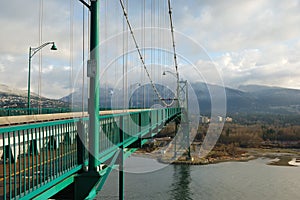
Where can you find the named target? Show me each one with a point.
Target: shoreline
(281, 157)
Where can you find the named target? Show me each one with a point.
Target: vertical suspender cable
(142, 58)
(126, 53)
(41, 16)
(144, 45)
(159, 53)
(152, 11)
(71, 47)
(88, 46)
(164, 38)
(125, 48)
(154, 45)
(116, 45)
(123, 62)
(106, 93)
(83, 45)
(125, 59)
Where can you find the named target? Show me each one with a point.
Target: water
(231, 180)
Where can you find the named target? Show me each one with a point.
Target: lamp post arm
(28, 82)
(172, 73)
(33, 51)
(86, 4)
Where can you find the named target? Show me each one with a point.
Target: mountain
(274, 99)
(15, 98)
(273, 96)
(246, 99)
(236, 100)
(138, 97)
(6, 90)
(252, 99)
(76, 98)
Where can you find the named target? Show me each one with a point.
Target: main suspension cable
(173, 42)
(142, 58)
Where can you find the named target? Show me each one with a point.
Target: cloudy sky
(247, 42)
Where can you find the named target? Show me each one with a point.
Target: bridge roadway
(26, 119)
(42, 154)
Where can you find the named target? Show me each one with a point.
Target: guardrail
(34, 157)
(36, 111)
(33, 111)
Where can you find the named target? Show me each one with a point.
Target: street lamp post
(32, 52)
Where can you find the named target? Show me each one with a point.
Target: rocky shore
(280, 157)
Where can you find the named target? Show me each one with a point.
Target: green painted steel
(93, 74)
(98, 186)
(35, 111)
(56, 188)
(36, 157)
(59, 183)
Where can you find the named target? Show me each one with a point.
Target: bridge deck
(38, 154)
(25, 119)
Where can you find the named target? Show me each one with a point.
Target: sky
(247, 42)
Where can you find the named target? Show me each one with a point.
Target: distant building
(204, 120)
(220, 119)
(228, 119)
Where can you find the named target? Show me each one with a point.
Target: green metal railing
(134, 125)
(35, 157)
(34, 111)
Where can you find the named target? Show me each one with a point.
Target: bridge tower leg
(93, 74)
(185, 115)
(177, 122)
(86, 181)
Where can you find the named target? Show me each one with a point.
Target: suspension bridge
(70, 155)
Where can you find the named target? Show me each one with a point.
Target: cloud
(248, 41)
(236, 25)
(1, 67)
(269, 67)
(20, 20)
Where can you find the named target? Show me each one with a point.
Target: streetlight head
(164, 73)
(53, 47)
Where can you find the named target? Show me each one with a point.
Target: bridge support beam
(84, 184)
(81, 142)
(136, 144)
(93, 101)
(177, 122)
